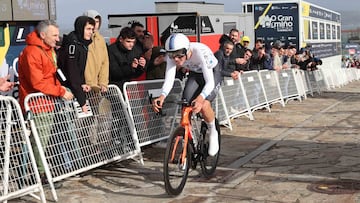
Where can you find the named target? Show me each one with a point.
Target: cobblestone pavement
(307, 151)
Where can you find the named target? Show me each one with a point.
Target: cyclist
(200, 86)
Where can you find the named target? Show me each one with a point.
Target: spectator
(237, 55)
(223, 57)
(37, 73)
(292, 53)
(288, 55)
(235, 38)
(260, 59)
(157, 64)
(73, 57)
(247, 58)
(97, 64)
(139, 30)
(245, 41)
(125, 62)
(275, 49)
(144, 44)
(5, 85)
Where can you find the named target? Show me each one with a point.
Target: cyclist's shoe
(213, 142)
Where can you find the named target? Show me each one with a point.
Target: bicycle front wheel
(176, 169)
(208, 163)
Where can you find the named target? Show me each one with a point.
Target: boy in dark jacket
(125, 62)
(73, 55)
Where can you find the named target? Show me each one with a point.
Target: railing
(70, 142)
(19, 175)
(67, 141)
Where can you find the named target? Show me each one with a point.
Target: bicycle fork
(185, 122)
(184, 151)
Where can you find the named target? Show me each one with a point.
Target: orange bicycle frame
(186, 123)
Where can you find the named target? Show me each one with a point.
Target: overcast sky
(67, 11)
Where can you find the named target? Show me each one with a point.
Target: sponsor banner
(323, 14)
(323, 50)
(182, 24)
(277, 21)
(206, 26)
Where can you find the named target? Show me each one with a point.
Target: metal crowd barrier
(254, 90)
(300, 83)
(151, 127)
(314, 81)
(70, 141)
(288, 87)
(19, 174)
(271, 87)
(357, 72)
(235, 98)
(221, 112)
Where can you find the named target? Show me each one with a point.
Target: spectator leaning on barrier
(247, 57)
(237, 55)
(37, 73)
(275, 49)
(125, 62)
(223, 57)
(73, 56)
(259, 57)
(97, 64)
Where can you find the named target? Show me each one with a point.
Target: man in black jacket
(125, 62)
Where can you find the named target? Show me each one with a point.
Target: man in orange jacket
(37, 73)
(37, 64)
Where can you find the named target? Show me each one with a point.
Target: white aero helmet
(176, 42)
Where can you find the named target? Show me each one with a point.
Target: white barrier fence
(69, 142)
(19, 176)
(150, 126)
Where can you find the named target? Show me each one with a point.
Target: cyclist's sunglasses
(176, 54)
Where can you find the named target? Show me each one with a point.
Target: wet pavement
(307, 151)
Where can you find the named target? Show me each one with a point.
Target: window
(322, 30)
(227, 26)
(333, 32)
(315, 30)
(249, 8)
(328, 31)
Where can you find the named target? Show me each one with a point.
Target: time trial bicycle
(188, 145)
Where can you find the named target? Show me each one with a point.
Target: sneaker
(213, 142)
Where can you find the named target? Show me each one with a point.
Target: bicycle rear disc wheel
(175, 169)
(208, 163)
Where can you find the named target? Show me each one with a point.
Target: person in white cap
(97, 65)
